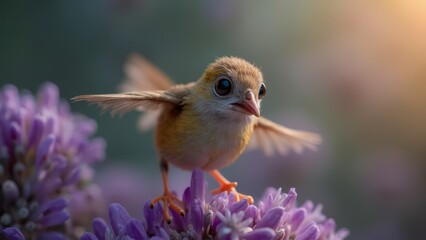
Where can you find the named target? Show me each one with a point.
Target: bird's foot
(169, 200)
(231, 187)
(225, 187)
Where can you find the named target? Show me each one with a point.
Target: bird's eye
(223, 86)
(262, 90)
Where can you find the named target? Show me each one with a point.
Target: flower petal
(49, 95)
(290, 200)
(15, 132)
(311, 232)
(160, 232)
(271, 219)
(179, 223)
(73, 176)
(239, 206)
(36, 132)
(13, 233)
(10, 95)
(54, 219)
(44, 149)
(198, 185)
(149, 217)
(136, 230)
(251, 212)
(99, 227)
(297, 218)
(56, 204)
(327, 227)
(88, 236)
(119, 217)
(197, 216)
(261, 233)
(186, 197)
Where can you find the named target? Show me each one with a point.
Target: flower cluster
(45, 152)
(276, 216)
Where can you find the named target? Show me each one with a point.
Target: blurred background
(354, 71)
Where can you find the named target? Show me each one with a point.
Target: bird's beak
(248, 106)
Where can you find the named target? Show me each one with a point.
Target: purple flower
(276, 216)
(44, 149)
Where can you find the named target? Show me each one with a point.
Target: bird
(204, 124)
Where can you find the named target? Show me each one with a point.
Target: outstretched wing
(271, 137)
(125, 102)
(142, 75)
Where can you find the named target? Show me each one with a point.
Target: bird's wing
(271, 137)
(125, 102)
(142, 75)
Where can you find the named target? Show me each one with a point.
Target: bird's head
(231, 87)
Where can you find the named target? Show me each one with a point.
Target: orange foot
(169, 200)
(225, 185)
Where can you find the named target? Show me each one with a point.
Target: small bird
(205, 124)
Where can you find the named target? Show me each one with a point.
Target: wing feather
(273, 138)
(124, 102)
(142, 75)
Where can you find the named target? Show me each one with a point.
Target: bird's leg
(225, 185)
(168, 199)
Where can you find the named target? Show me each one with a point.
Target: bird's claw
(226, 187)
(231, 187)
(239, 196)
(169, 200)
